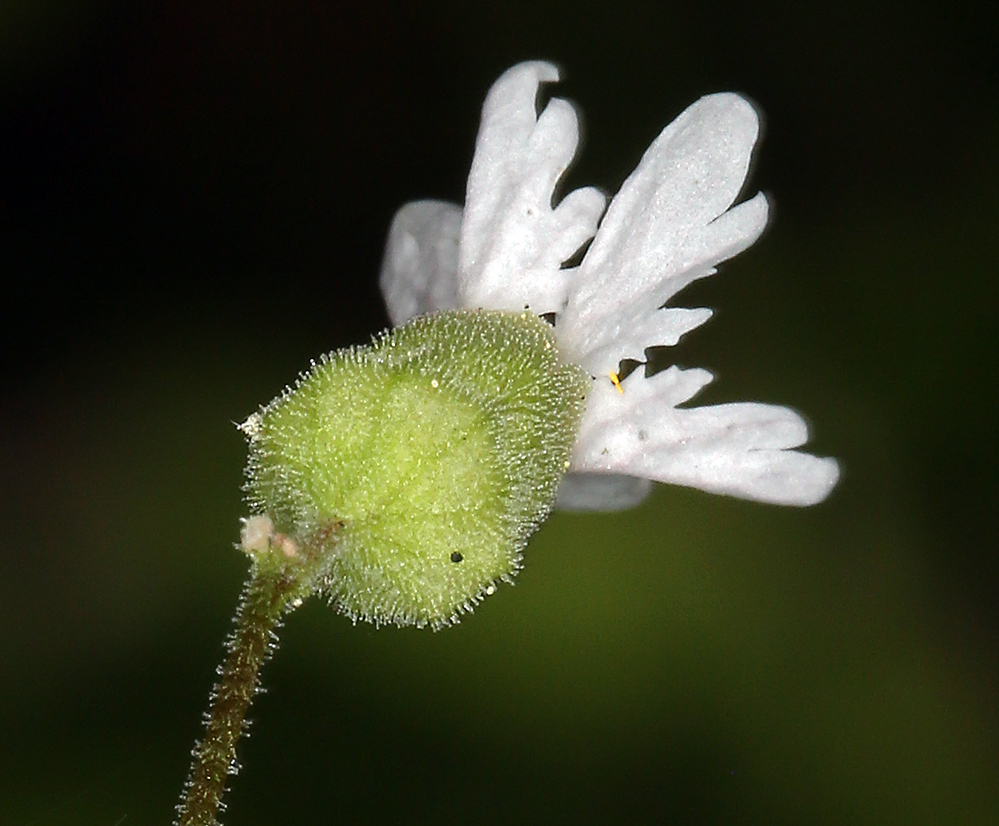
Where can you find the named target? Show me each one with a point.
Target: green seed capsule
(408, 476)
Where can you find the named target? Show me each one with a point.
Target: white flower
(671, 223)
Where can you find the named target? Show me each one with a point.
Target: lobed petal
(513, 242)
(743, 450)
(419, 270)
(670, 224)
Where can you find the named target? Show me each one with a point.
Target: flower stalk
(267, 595)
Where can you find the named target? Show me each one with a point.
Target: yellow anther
(616, 382)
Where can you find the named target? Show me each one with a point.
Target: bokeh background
(194, 197)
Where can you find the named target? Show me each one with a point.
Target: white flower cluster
(672, 222)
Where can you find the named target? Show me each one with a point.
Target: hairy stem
(265, 598)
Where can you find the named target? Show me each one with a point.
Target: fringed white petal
(672, 223)
(669, 225)
(743, 450)
(421, 260)
(513, 242)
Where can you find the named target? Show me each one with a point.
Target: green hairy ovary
(414, 470)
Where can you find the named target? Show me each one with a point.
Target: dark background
(194, 198)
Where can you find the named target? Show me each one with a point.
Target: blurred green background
(194, 198)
